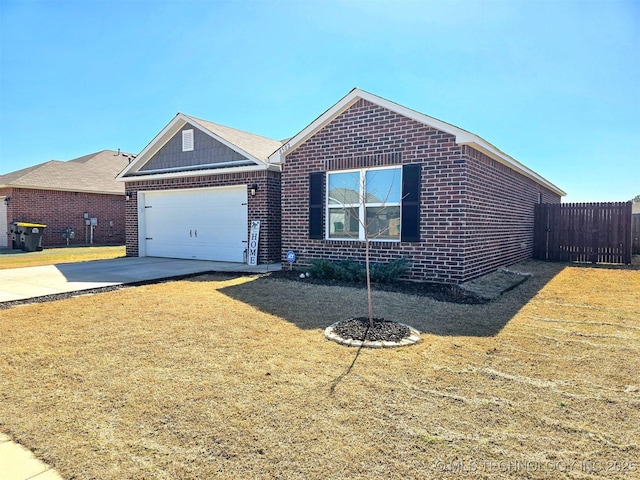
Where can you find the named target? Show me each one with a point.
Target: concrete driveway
(31, 282)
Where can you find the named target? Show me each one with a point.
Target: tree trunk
(366, 262)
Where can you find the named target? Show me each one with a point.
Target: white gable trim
(166, 134)
(463, 137)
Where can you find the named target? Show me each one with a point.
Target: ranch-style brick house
(60, 193)
(449, 201)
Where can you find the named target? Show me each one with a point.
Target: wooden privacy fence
(635, 233)
(583, 232)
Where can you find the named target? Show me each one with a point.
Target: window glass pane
(383, 186)
(344, 188)
(383, 223)
(343, 223)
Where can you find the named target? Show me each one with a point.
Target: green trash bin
(31, 236)
(15, 236)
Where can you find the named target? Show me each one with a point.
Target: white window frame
(361, 206)
(187, 140)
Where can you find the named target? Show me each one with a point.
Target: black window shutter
(410, 223)
(316, 205)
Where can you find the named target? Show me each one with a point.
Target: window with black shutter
(411, 203)
(316, 205)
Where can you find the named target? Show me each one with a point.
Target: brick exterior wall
(499, 214)
(59, 210)
(465, 197)
(264, 206)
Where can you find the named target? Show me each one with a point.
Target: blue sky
(555, 84)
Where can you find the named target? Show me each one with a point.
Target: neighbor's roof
(254, 147)
(463, 137)
(94, 173)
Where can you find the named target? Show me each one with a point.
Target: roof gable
(217, 147)
(462, 137)
(207, 152)
(94, 173)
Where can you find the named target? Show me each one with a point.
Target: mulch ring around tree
(357, 332)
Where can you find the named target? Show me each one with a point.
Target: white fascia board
(279, 155)
(485, 147)
(199, 173)
(463, 137)
(166, 134)
(156, 144)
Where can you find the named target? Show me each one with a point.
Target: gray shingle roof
(94, 173)
(255, 145)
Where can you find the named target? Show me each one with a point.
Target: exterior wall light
(6, 200)
(253, 189)
(128, 195)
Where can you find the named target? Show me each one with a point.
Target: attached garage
(196, 189)
(202, 224)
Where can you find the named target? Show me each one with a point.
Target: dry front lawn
(10, 258)
(230, 377)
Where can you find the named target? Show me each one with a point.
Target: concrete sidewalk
(31, 282)
(18, 463)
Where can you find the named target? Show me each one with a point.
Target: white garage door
(203, 224)
(4, 230)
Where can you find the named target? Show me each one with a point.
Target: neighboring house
(449, 201)
(61, 194)
(195, 189)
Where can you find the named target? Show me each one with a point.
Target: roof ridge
(94, 173)
(91, 156)
(197, 119)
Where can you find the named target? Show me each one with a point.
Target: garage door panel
(206, 224)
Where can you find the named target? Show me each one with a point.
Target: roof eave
(316, 125)
(167, 133)
(479, 144)
(62, 189)
(463, 137)
(198, 173)
(153, 146)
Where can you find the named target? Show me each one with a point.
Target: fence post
(628, 223)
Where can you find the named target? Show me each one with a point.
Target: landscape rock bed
(357, 332)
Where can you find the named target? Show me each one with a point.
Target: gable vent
(187, 140)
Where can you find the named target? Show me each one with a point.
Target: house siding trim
(173, 128)
(205, 150)
(195, 172)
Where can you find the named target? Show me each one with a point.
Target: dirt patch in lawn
(480, 290)
(491, 286)
(231, 377)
